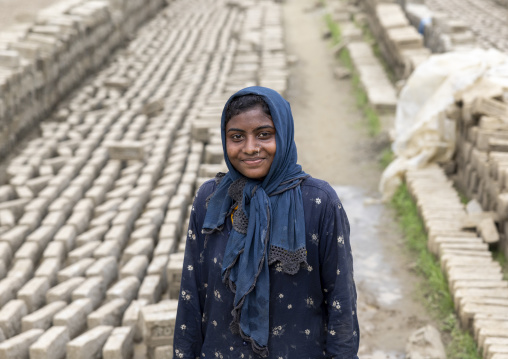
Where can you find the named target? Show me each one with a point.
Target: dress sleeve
(188, 337)
(338, 285)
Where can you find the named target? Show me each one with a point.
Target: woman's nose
(251, 145)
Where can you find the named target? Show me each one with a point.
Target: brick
(48, 269)
(74, 316)
(10, 317)
(136, 267)
(85, 251)
(51, 344)
(119, 344)
(77, 269)
(151, 288)
(55, 250)
(131, 318)
(126, 150)
(92, 288)
(15, 236)
(42, 318)
(158, 323)
(67, 235)
(139, 247)
(63, 291)
(18, 346)
(89, 344)
(105, 267)
(93, 234)
(126, 288)
(109, 314)
(33, 293)
(108, 249)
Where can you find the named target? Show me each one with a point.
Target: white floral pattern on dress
(336, 304)
(340, 240)
(318, 200)
(310, 302)
(314, 238)
(278, 331)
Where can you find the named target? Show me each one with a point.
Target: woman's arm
(188, 337)
(338, 284)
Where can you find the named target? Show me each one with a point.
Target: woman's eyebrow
(235, 130)
(263, 127)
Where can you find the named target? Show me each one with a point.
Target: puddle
(372, 271)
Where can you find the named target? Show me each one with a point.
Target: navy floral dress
(312, 313)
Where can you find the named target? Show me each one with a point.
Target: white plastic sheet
(420, 136)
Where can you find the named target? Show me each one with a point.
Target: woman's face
(250, 143)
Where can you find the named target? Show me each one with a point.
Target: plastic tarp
(421, 134)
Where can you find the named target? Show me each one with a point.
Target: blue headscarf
(276, 226)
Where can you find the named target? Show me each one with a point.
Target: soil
(333, 144)
(20, 11)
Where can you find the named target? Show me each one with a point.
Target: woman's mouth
(253, 161)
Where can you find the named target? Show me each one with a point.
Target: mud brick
(126, 150)
(63, 291)
(175, 265)
(107, 249)
(10, 317)
(7, 218)
(15, 236)
(74, 316)
(142, 247)
(158, 202)
(31, 219)
(93, 234)
(22, 269)
(55, 250)
(131, 317)
(30, 251)
(55, 219)
(119, 344)
(151, 217)
(51, 344)
(18, 346)
(488, 231)
(144, 232)
(42, 235)
(174, 217)
(166, 245)
(33, 293)
(126, 288)
(85, 251)
(89, 344)
(16, 206)
(37, 184)
(125, 218)
(158, 323)
(109, 314)
(490, 107)
(67, 235)
(92, 288)
(97, 193)
(61, 204)
(80, 220)
(76, 269)
(50, 192)
(42, 318)
(38, 204)
(158, 267)
(48, 269)
(104, 219)
(128, 180)
(151, 288)
(136, 267)
(470, 309)
(110, 205)
(5, 253)
(6, 193)
(118, 234)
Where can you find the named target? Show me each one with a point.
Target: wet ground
(333, 144)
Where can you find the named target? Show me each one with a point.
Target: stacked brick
(481, 117)
(485, 19)
(441, 31)
(41, 63)
(400, 43)
(475, 280)
(93, 215)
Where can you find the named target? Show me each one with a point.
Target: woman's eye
(264, 134)
(236, 137)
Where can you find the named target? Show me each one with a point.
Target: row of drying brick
(91, 289)
(40, 63)
(475, 280)
(132, 184)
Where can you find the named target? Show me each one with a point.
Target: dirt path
(333, 145)
(20, 11)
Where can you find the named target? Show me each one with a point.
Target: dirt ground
(20, 11)
(333, 145)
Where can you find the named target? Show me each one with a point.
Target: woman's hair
(245, 103)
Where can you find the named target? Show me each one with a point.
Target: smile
(253, 161)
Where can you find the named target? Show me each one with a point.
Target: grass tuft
(435, 293)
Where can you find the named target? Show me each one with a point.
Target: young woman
(268, 269)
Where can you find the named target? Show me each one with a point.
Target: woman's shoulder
(315, 188)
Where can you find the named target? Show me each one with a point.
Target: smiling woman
(250, 141)
(268, 270)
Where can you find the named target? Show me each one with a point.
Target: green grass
(434, 289)
(501, 259)
(387, 156)
(371, 117)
